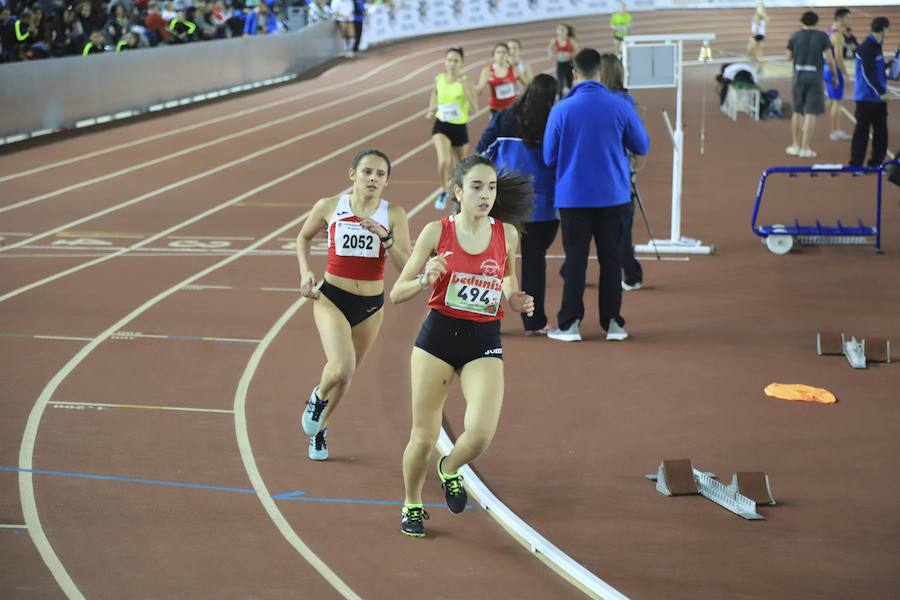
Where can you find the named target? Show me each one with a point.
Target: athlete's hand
(308, 286)
(374, 226)
(522, 302)
(434, 268)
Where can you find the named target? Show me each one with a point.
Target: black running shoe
(411, 521)
(454, 492)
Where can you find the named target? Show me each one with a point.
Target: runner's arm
(409, 283)
(398, 247)
(519, 300)
(315, 223)
(471, 94)
(432, 104)
(482, 81)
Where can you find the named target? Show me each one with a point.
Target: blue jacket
(250, 25)
(586, 140)
(871, 78)
(502, 143)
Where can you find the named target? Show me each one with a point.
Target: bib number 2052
(352, 239)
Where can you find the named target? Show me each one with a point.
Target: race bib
(352, 239)
(505, 91)
(477, 294)
(449, 112)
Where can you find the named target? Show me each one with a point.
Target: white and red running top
(354, 251)
(472, 287)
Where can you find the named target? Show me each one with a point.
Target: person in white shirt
(342, 10)
(757, 33)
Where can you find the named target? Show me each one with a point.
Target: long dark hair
(514, 190)
(612, 73)
(532, 108)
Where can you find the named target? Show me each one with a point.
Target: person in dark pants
(513, 141)
(359, 18)
(587, 137)
(870, 92)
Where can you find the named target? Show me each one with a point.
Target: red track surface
(582, 422)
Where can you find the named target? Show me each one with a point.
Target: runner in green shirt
(620, 23)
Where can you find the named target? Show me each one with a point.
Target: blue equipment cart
(781, 238)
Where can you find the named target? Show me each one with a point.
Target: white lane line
(12, 526)
(63, 404)
(240, 133)
(203, 215)
(64, 251)
(852, 118)
(130, 335)
(241, 113)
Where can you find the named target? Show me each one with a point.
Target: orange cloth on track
(798, 391)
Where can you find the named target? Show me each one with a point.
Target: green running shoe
(411, 520)
(454, 492)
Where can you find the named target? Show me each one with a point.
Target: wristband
(389, 236)
(421, 278)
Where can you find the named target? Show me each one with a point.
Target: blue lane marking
(291, 496)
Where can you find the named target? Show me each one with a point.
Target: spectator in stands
(118, 23)
(203, 17)
(235, 23)
(871, 92)
(66, 34)
(219, 18)
(168, 11)
(7, 34)
(181, 30)
(318, 11)
(95, 44)
(156, 26)
(130, 41)
(592, 127)
(808, 48)
(359, 18)
(260, 20)
(90, 19)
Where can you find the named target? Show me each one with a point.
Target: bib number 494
(473, 294)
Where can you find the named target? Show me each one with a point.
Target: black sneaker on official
(454, 492)
(412, 521)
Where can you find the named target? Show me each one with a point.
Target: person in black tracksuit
(513, 141)
(359, 18)
(871, 92)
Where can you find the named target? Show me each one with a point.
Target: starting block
(679, 477)
(857, 352)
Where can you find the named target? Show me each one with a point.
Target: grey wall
(58, 92)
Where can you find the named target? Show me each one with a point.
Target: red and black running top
(472, 287)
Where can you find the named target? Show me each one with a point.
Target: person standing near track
(512, 141)
(871, 92)
(562, 49)
(452, 100)
(835, 89)
(472, 266)
(515, 57)
(758, 23)
(343, 16)
(620, 23)
(501, 78)
(359, 19)
(363, 230)
(586, 141)
(809, 48)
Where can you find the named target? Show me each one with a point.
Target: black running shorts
(355, 308)
(458, 342)
(457, 134)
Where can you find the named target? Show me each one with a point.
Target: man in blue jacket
(587, 137)
(870, 92)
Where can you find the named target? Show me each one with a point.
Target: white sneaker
(807, 153)
(636, 286)
(571, 334)
(839, 135)
(615, 332)
(792, 150)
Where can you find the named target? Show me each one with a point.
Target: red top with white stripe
(503, 89)
(471, 288)
(563, 52)
(353, 251)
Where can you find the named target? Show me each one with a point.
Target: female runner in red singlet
(473, 268)
(563, 49)
(501, 77)
(363, 230)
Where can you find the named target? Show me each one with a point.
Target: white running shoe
(440, 203)
(839, 135)
(635, 286)
(792, 150)
(807, 153)
(570, 334)
(615, 332)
